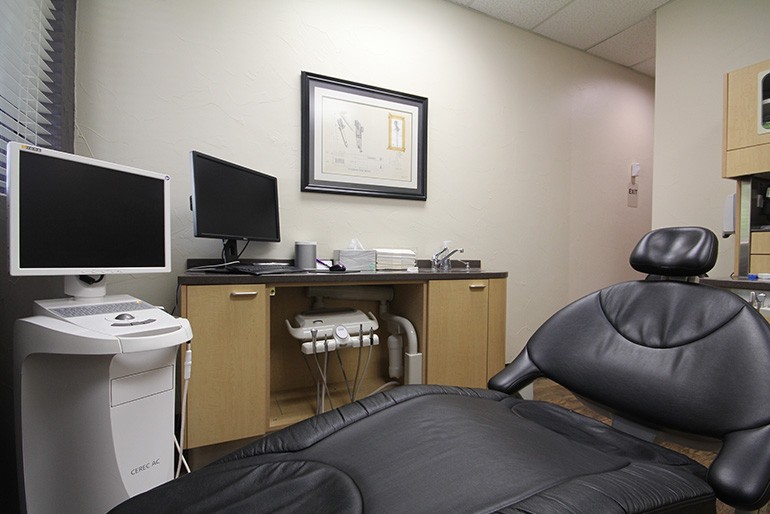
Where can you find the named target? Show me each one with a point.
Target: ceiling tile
(525, 14)
(630, 47)
(585, 23)
(621, 31)
(647, 67)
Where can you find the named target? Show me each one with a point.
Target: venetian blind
(36, 99)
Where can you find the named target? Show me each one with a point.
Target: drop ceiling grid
(632, 46)
(525, 14)
(621, 31)
(586, 23)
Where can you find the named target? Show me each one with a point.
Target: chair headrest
(676, 252)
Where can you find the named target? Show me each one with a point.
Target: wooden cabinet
(746, 136)
(249, 376)
(760, 252)
(465, 345)
(227, 397)
(746, 158)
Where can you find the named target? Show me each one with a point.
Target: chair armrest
(740, 474)
(518, 374)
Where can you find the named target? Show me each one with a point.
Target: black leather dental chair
(662, 353)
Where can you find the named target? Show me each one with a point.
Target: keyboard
(100, 308)
(264, 268)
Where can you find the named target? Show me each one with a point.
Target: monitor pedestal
(94, 402)
(229, 250)
(84, 286)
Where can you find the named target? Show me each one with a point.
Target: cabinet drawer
(760, 263)
(760, 242)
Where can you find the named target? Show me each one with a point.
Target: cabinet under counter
(249, 376)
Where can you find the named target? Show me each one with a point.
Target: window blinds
(35, 97)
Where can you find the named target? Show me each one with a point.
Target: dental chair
(661, 353)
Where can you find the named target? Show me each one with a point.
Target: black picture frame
(362, 140)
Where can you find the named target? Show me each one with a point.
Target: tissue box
(356, 260)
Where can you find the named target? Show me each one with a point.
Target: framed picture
(362, 140)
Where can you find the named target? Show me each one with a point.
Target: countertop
(737, 283)
(423, 273)
(327, 277)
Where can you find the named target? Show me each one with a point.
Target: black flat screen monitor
(232, 203)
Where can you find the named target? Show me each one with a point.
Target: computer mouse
(333, 267)
(124, 316)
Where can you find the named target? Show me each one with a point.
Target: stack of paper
(395, 259)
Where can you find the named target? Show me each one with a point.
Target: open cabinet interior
(296, 383)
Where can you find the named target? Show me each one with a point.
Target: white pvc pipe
(404, 327)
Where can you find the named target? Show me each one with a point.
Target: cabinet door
(744, 105)
(746, 135)
(760, 252)
(458, 312)
(227, 397)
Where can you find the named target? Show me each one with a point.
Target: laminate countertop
(737, 283)
(323, 277)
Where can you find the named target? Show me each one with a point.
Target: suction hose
(396, 363)
(399, 327)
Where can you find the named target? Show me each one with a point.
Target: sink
(458, 265)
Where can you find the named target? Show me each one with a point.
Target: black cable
(243, 249)
(89, 280)
(176, 299)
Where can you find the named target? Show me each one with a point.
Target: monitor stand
(230, 250)
(85, 286)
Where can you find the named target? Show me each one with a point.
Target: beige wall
(698, 42)
(610, 130)
(529, 143)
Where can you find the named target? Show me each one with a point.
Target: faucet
(442, 262)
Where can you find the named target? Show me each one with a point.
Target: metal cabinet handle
(477, 286)
(241, 294)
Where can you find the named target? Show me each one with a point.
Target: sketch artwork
(364, 139)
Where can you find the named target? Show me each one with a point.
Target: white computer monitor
(76, 216)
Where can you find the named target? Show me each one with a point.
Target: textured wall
(698, 42)
(529, 142)
(528, 148)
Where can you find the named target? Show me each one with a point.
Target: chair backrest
(668, 353)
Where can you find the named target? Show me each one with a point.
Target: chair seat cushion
(443, 449)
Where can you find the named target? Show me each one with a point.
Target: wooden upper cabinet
(747, 121)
